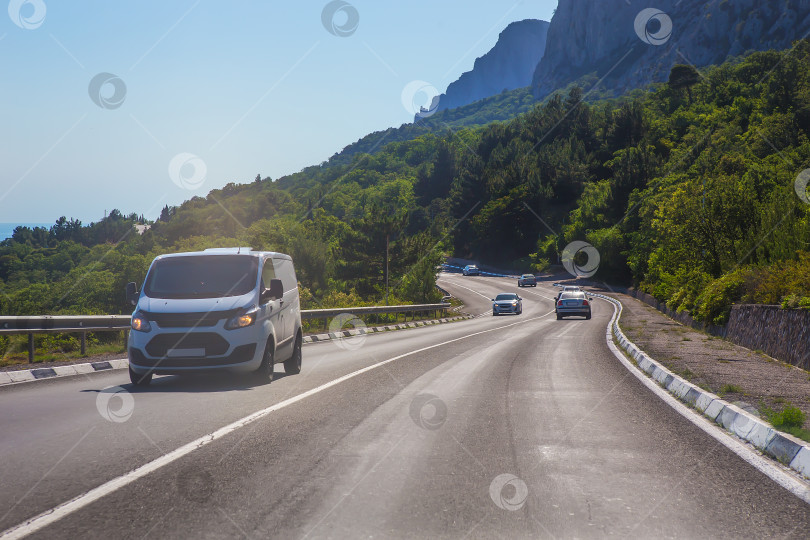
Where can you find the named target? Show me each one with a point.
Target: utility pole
(387, 236)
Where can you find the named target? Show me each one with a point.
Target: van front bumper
(243, 358)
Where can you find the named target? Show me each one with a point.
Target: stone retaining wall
(783, 334)
(780, 333)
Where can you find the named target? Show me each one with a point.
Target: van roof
(228, 251)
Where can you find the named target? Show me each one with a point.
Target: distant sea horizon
(7, 229)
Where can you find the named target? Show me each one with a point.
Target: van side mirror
(275, 291)
(132, 293)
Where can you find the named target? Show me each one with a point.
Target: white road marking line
(469, 289)
(564, 332)
(487, 297)
(540, 295)
(53, 515)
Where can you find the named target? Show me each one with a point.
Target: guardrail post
(30, 348)
(84, 343)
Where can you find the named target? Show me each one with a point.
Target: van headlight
(241, 321)
(140, 323)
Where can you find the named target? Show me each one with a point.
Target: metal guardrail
(370, 310)
(63, 323)
(42, 324)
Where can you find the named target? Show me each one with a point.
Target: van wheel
(140, 380)
(559, 317)
(265, 371)
(292, 366)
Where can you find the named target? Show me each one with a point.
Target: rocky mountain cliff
(510, 64)
(627, 44)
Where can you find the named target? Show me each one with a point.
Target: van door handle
(281, 302)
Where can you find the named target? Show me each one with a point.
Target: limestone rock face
(609, 38)
(510, 64)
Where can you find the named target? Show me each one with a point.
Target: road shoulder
(738, 419)
(732, 372)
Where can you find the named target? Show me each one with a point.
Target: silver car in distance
(573, 303)
(507, 303)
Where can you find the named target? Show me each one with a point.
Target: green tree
(684, 77)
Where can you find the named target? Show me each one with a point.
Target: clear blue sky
(248, 87)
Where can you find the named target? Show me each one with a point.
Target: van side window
(268, 273)
(286, 273)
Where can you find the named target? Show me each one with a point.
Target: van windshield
(207, 276)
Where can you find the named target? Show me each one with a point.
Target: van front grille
(213, 344)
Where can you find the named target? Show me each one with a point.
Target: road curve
(513, 427)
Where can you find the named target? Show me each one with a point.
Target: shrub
(789, 417)
(540, 265)
(790, 301)
(713, 305)
(731, 389)
(794, 301)
(57, 342)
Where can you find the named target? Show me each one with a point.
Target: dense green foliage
(686, 189)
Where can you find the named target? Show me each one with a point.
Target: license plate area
(185, 353)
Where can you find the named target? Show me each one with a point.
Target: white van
(220, 309)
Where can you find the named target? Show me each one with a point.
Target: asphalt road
(506, 427)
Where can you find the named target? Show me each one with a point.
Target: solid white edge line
(488, 298)
(760, 462)
(53, 515)
(476, 292)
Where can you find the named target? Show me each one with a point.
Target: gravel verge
(730, 371)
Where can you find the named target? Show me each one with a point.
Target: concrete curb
(783, 447)
(31, 375)
(318, 338)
